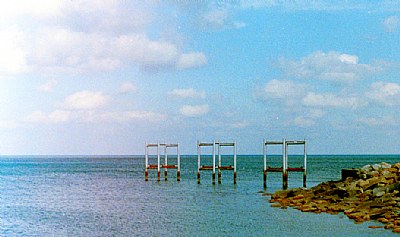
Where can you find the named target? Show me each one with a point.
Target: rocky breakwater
(372, 194)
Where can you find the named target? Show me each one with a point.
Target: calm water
(107, 196)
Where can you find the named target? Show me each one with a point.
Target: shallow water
(107, 196)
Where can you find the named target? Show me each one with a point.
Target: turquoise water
(107, 196)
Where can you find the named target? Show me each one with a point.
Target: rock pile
(374, 194)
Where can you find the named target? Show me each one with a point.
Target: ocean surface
(107, 196)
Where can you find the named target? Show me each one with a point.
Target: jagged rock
(396, 166)
(389, 226)
(376, 167)
(385, 165)
(366, 168)
(379, 191)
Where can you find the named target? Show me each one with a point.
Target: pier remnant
(204, 167)
(285, 169)
(165, 166)
(229, 167)
(152, 166)
(214, 165)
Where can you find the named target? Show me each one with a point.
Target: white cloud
(70, 51)
(216, 18)
(239, 125)
(303, 121)
(187, 93)
(349, 59)
(8, 124)
(39, 8)
(374, 121)
(76, 37)
(385, 93)
(279, 89)
(61, 48)
(109, 16)
(191, 60)
(391, 23)
(220, 16)
(316, 113)
(12, 55)
(331, 100)
(194, 111)
(309, 118)
(127, 87)
(48, 86)
(131, 116)
(287, 91)
(86, 100)
(37, 117)
(64, 116)
(145, 116)
(331, 66)
(57, 116)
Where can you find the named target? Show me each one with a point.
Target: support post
(165, 163)
(219, 164)
(284, 166)
(234, 163)
(265, 164)
(198, 162)
(214, 165)
(158, 163)
(178, 172)
(146, 171)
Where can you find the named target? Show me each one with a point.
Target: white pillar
(146, 156)
(198, 156)
(265, 154)
(179, 158)
(234, 156)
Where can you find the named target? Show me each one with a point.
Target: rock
(366, 168)
(389, 226)
(379, 192)
(374, 173)
(396, 166)
(376, 167)
(377, 212)
(352, 173)
(393, 187)
(385, 165)
(372, 192)
(383, 220)
(299, 196)
(375, 226)
(275, 205)
(362, 183)
(396, 230)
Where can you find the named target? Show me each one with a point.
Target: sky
(105, 77)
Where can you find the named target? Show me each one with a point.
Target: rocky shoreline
(372, 193)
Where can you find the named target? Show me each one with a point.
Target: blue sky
(104, 77)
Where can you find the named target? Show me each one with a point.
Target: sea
(108, 196)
